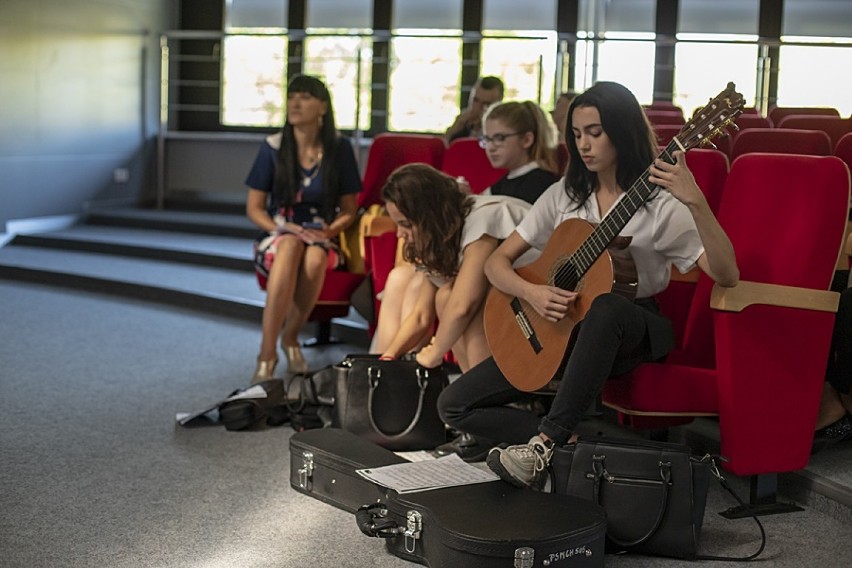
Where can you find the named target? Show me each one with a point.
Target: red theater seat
(389, 151)
(464, 158)
(781, 141)
(755, 355)
(834, 126)
(776, 113)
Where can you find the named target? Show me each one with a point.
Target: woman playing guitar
(611, 145)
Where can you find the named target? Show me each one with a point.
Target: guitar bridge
(525, 325)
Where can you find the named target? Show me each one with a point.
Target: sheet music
(255, 391)
(447, 471)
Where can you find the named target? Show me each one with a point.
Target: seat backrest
(464, 158)
(776, 113)
(744, 121)
(665, 117)
(665, 132)
(778, 210)
(563, 156)
(843, 149)
(389, 151)
(710, 169)
(777, 231)
(834, 126)
(784, 141)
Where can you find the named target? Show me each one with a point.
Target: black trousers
(613, 338)
(839, 371)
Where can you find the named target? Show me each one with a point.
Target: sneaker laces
(541, 453)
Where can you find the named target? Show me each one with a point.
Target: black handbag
(654, 493)
(255, 412)
(391, 403)
(309, 398)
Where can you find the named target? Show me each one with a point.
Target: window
(425, 64)
(616, 43)
(253, 75)
(254, 65)
(424, 81)
(337, 61)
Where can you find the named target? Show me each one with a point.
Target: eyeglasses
(498, 139)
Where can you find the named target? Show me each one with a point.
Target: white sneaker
(521, 465)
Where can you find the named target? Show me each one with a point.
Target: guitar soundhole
(564, 274)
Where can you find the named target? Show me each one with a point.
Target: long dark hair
(437, 207)
(287, 176)
(626, 125)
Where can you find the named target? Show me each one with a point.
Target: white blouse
(663, 233)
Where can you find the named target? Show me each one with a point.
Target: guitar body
(530, 352)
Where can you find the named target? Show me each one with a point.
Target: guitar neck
(619, 216)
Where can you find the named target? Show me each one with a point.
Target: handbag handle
(373, 375)
(599, 472)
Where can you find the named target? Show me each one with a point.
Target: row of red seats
(462, 158)
(824, 125)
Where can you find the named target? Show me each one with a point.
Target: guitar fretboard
(569, 274)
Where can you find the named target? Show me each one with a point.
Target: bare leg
(831, 408)
(308, 286)
(398, 300)
(280, 288)
(471, 348)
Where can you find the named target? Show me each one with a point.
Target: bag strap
(600, 472)
(714, 469)
(373, 375)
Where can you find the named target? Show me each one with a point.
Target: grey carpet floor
(94, 471)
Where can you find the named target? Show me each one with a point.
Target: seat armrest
(744, 294)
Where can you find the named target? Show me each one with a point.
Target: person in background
(560, 113)
(519, 137)
(485, 92)
(611, 145)
(834, 423)
(302, 194)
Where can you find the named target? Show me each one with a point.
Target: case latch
(524, 557)
(413, 526)
(307, 469)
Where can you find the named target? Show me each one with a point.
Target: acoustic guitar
(586, 259)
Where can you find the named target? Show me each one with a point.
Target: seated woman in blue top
(302, 194)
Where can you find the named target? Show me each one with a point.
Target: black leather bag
(654, 493)
(255, 412)
(310, 399)
(391, 403)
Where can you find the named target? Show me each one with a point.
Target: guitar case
(323, 464)
(488, 525)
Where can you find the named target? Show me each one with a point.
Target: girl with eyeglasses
(520, 137)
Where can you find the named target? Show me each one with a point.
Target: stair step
(198, 222)
(227, 292)
(203, 250)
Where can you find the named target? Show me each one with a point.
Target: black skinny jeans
(612, 340)
(839, 372)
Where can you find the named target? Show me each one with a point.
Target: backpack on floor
(247, 409)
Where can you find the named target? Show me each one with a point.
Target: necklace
(315, 164)
(307, 179)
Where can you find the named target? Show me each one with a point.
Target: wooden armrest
(745, 294)
(379, 225)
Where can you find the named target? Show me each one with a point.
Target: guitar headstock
(709, 121)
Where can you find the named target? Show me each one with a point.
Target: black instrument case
(489, 525)
(323, 464)
(483, 525)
